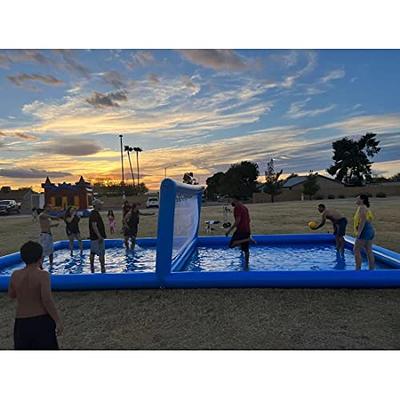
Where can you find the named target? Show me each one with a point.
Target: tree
(214, 186)
(395, 178)
(310, 186)
(292, 175)
(378, 179)
(352, 164)
(117, 189)
(272, 186)
(240, 180)
(137, 150)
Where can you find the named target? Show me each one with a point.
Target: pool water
(293, 257)
(275, 258)
(118, 260)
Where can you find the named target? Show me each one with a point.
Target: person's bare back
(27, 284)
(44, 221)
(37, 321)
(333, 215)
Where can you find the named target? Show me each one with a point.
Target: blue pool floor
(296, 257)
(275, 258)
(118, 260)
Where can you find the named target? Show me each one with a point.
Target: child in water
(112, 223)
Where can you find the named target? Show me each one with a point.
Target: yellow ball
(312, 224)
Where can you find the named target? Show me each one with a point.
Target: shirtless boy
(46, 238)
(339, 223)
(37, 321)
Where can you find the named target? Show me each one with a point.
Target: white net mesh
(186, 221)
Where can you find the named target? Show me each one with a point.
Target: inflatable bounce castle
(79, 195)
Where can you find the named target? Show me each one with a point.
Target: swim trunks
(237, 235)
(35, 333)
(340, 227)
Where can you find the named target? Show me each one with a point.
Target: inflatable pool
(178, 258)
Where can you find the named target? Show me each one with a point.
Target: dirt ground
(226, 318)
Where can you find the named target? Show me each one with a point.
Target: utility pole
(122, 167)
(122, 161)
(165, 169)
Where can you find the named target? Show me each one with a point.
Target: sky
(62, 111)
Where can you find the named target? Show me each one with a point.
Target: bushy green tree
(310, 186)
(273, 185)
(352, 164)
(395, 178)
(240, 180)
(214, 186)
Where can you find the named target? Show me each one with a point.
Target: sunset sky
(190, 110)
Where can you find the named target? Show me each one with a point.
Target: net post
(165, 228)
(199, 203)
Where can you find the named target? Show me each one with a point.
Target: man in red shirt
(242, 224)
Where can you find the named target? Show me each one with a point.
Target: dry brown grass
(226, 318)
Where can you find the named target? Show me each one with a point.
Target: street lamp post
(122, 167)
(165, 169)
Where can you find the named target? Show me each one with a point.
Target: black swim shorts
(240, 236)
(35, 333)
(340, 227)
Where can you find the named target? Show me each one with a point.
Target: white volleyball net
(186, 221)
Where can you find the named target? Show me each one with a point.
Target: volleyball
(312, 224)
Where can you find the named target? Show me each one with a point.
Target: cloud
(216, 59)
(190, 84)
(287, 59)
(365, 123)
(163, 109)
(140, 58)
(61, 59)
(70, 146)
(4, 60)
(309, 62)
(30, 56)
(20, 79)
(107, 100)
(322, 84)
(26, 136)
(21, 135)
(297, 110)
(386, 168)
(113, 78)
(333, 75)
(8, 57)
(29, 173)
(70, 63)
(153, 78)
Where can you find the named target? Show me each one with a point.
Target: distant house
(27, 197)
(296, 183)
(292, 189)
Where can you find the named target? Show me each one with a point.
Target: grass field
(226, 318)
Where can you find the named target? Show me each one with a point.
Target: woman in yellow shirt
(364, 232)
